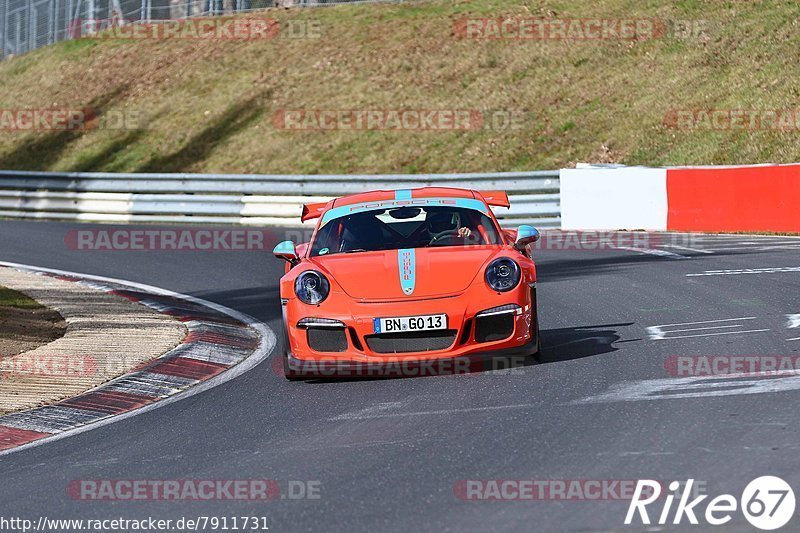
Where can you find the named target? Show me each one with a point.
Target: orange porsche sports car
(407, 276)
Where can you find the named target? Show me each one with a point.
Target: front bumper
(494, 360)
(354, 347)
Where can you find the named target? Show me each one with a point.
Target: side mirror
(286, 251)
(526, 235)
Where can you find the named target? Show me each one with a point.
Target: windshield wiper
(355, 250)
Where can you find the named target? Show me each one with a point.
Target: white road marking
(771, 270)
(706, 321)
(371, 410)
(744, 238)
(367, 414)
(265, 347)
(658, 333)
(712, 334)
(703, 237)
(706, 328)
(780, 247)
(794, 321)
(651, 251)
(762, 243)
(760, 248)
(678, 246)
(697, 387)
(794, 339)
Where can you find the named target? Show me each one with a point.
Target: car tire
(536, 355)
(288, 373)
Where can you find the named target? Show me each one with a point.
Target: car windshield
(405, 227)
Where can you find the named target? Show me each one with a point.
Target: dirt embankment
(25, 324)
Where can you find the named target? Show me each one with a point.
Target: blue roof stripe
(380, 205)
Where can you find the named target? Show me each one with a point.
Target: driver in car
(444, 222)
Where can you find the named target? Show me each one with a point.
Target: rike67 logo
(767, 503)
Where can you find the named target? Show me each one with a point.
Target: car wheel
(288, 372)
(537, 354)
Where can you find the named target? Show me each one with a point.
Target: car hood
(407, 274)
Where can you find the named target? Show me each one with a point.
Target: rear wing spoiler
(312, 211)
(496, 198)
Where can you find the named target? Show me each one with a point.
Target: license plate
(410, 323)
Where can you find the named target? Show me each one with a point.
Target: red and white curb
(221, 344)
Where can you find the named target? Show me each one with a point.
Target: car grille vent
(409, 342)
(494, 327)
(327, 339)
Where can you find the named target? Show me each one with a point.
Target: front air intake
(411, 342)
(327, 339)
(494, 327)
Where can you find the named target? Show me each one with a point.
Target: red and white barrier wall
(713, 199)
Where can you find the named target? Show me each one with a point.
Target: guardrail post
(18, 36)
(91, 8)
(30, 41)
(51, 21)
(68, 20)
(3, 28)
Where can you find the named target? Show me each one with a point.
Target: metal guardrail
(245, 198)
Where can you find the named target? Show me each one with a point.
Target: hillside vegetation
(210, 106)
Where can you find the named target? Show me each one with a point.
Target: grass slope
(211, 104)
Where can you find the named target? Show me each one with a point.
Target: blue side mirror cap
(286, 250)
(526, 235)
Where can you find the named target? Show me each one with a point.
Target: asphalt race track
(390, 454)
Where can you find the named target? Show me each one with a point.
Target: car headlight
(503, 274)
(312, 287)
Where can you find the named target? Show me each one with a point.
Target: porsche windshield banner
(344, 210)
